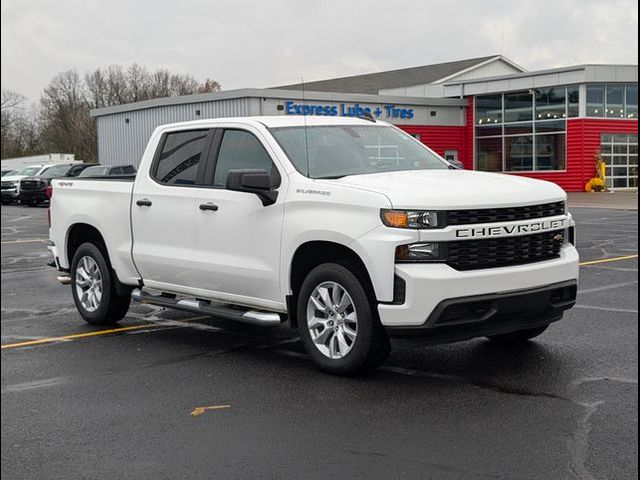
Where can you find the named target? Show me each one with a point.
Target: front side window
(181, 156)
(241, 150)
(340, 150)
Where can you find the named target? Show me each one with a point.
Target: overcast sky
(265, 43)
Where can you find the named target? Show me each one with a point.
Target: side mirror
(457, 164)
(253, 181)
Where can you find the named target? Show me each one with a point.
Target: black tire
(112, 307)
(371, 345)
(518, 337)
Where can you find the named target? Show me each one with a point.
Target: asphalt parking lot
(133, 403)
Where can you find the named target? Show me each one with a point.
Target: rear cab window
(180, 158)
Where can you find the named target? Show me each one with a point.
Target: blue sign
(348, 110)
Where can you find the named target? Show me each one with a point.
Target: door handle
(144, 202)
(208, 206)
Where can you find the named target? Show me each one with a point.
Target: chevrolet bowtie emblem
(558, 237)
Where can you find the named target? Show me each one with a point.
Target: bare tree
(67, 125)
(208, 86)
(63, 122)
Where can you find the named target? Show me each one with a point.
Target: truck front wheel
(93, 288)
(338, 322)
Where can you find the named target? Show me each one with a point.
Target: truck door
(164, 211)
(238, 237)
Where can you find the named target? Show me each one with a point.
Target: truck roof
(276, 121)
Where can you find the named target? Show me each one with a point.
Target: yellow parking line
(32, 240)
(74, 336)
(607, 260)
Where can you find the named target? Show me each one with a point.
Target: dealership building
(489, 113)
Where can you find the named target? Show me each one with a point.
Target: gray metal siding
(121, 143)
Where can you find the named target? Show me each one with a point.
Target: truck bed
(103, 203)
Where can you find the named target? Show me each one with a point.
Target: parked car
(108, 171)
(33, 190)
(306, 221)
(10, 184)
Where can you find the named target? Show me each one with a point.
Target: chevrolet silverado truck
(348, 229)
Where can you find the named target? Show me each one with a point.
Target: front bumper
(9, 194)
(27, 196)
(428, 285)
(485, 315)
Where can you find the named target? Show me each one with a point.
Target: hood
(12, 178)
(456, 189)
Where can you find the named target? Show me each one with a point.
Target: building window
(518, 107)
(518, 153)
(551, 103)
(595, 100)
(620, 153)
(631, 100)
(533, 135)
(615, 101)
(573, 99)
(488, 109)
(489, 154)
(551, 151)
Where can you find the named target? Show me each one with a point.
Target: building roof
(372, 83)
(276, 94)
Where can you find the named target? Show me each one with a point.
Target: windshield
(28, 172)
(57, 170)
(339, 150)
(94, 171)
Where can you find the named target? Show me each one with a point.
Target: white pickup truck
(348, 229)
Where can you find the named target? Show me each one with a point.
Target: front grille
(31, 185)
(493, 215)
(504, 252)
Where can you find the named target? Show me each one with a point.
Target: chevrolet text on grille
(503, 230)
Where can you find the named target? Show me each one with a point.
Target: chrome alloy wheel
(88, 284)
(332, 320)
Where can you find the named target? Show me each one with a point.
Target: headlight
(417, 219)
(421, 252)
(16, 183)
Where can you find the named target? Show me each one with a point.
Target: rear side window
(75, 171)
(241, 150)
(128, 170)
(181, 156)
(116, 171)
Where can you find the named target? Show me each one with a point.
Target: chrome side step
(255, 317)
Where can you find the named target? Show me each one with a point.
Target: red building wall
(583, 139)
(440, 138)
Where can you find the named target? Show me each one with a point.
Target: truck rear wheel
(519, 336)
(93, 287)
(338, 322)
